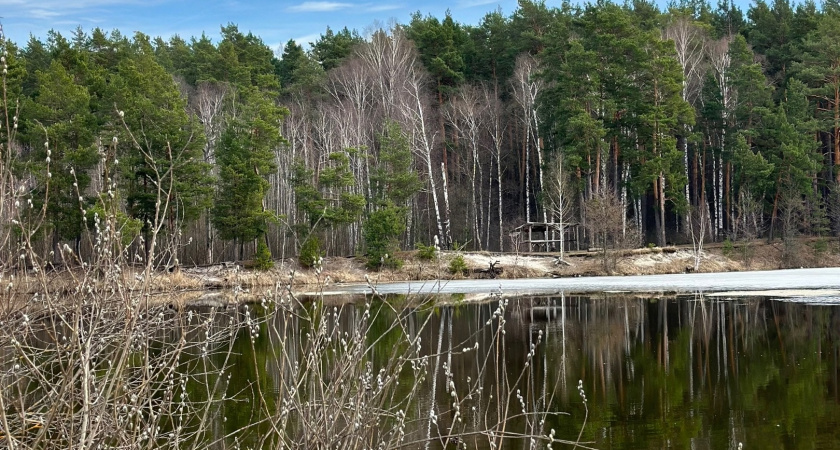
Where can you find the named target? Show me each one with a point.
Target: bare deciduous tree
(605, 224)
(690, 44)
(417, 116)
(497, 128)
(466, 113)
(351, 87)
(559, 196)
(747, 223)
(792, 214)
(526, 90)
(697, 218)
(720, 60)
(208, 102)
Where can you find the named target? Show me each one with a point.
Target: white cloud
(39, 13)
(385, 7)
(320, 6)
(474, 3)
(49, 9)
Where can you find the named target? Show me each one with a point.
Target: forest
(625, 119)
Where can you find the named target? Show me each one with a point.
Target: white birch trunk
(527, 164)
(447, 221)
(499, 191)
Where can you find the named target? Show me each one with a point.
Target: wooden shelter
(545, 236)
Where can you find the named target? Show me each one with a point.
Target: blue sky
(274, 21)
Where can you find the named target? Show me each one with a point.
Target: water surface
(683, 372)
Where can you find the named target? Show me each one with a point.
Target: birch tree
(526, 89)
(720, 60)
(208, 102)
(558, 198)
(350, 86)
(497, 126)
(690, 43)
(466, 113)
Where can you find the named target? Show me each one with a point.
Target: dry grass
(677, 262)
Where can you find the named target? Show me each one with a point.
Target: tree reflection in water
(684, 372)
(695, 372)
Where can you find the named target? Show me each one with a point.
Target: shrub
(820, 246)
(382, 231)
(310, 252)
(728, 248)
(262, 259)
(458, 265)
(426, 252)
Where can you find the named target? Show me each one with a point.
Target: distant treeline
(698, 116)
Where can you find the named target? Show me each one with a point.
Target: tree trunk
(775, 213)
(477, 204)
(662, 240)
(499, 179)
(598, 169)
(209, 243)
(527, 165)
(489, 202)
(727, 187)
(837, 134)
(540, 174)
(442, 130)
(448, 223)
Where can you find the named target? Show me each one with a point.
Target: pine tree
(202, 63)
(438, 43)
(245, 158)
(820, 68)
(795, 160)
(61, 131)
(327, 200)
(660, 164)
(332, 48)
(491, 54)
(394, 184)
(163, 175)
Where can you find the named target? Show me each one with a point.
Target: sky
(274, 21)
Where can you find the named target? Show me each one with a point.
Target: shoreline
(343, 276)
(815, 284)
(642, 261)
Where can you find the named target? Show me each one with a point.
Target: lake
(686, 371)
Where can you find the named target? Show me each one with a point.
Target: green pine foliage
(426, 252)
(245, 159)
(439, 44)
(394, 183)
(332, 48)
(238, 212)
(60, 130)
(329, 201)
(457, 266)
(160, 145)
(382, 230)
(393, 178)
